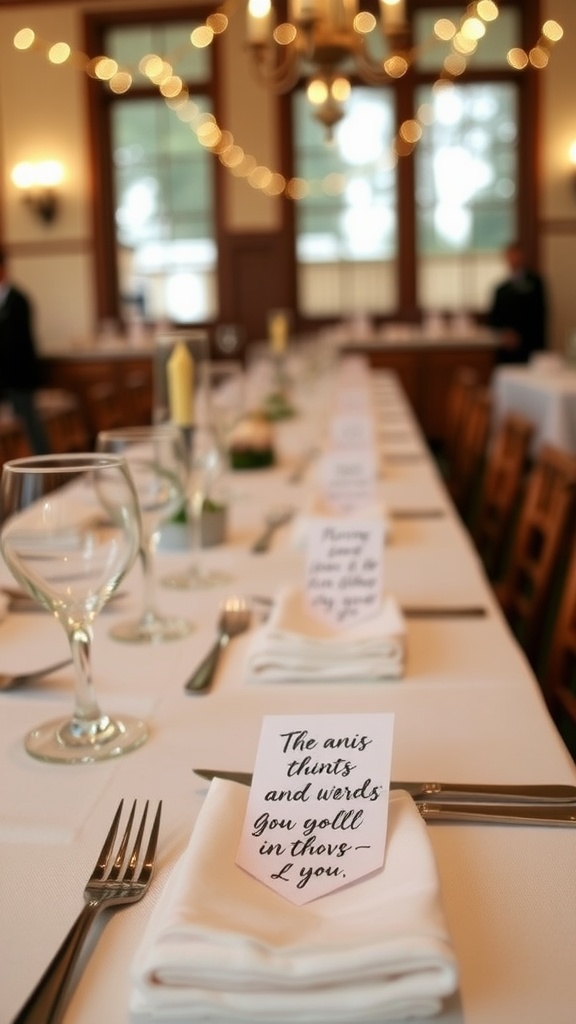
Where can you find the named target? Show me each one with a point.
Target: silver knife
(437, 793)
(501, 814)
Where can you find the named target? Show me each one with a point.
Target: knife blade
(501, 814)
(432, 792)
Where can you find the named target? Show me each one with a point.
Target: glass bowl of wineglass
(70, 533)
(156, 456)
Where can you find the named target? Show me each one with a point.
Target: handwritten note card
(344, 569)
(317, 813)
(352, 430)
(348, 479)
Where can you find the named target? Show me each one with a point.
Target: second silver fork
(115, 881)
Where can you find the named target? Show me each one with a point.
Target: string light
(462, 40)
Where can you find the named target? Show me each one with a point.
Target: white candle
(259, 21)
(180, 379)
(393, 14)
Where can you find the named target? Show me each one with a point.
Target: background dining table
(467, 709)
(545, 393)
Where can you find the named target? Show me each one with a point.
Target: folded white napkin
(220, 946)
(294, 646)
(320, 508)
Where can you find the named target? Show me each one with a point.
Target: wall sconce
(38, 185)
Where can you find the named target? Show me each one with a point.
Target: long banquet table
(468, 709)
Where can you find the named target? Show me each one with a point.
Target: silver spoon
(274, 519)
(9, 682)
(234, 618)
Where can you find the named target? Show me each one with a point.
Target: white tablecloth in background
(468, 709)
(546, 397)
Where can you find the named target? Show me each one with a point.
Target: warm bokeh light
(285, 33)
(202, 36)
(473, 28)
(171, 86)
(487, 10)
(572, 152)
(45, 174)
(396, 66)
(463, 44)
(297, 188)
(120, 82)
(218, 22)
(340, 89)
(317, 91)
(276, 185)
(59, 53)
(444, 29)
(455, 64)
(517, 58)
(150, 65)
(411, 131)
(364, 23)
(233, 156)
(105, 68)
(333, 184)
(552, 31)
(259, 177)
(24, 39)
(539, 57)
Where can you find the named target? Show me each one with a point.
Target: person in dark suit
(519, 310)
(20, 366)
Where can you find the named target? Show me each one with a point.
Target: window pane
(349, 217)
(466, 181)
(171, 41)
(501, 35)
(164, 212)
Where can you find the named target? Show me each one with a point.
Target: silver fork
(115, 881)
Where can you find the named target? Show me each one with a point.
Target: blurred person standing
(519, 310)
(20, 366)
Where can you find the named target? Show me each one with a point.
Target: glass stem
(86, 706)
(146, 554)
(196, 506)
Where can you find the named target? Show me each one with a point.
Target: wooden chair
(138, 394)
(463, 384)
(559, 676)
(469, 453)
(545, 523)
(501, 489)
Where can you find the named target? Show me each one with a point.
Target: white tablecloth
(547, 397)
(468, 709)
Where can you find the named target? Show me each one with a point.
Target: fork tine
(131, 866)
(150, 855)
(120, 856)
(104, 855)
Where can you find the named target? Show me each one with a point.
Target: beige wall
(42, 114)
(558, 188)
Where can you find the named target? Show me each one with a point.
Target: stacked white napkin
(223, 947)
(293, 646)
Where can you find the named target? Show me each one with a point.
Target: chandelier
(326, 41)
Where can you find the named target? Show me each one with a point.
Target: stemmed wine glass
(205, 469)
(70, 533)
(156, 457)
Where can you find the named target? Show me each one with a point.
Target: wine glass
(205, 473)
(156, 457)
(70, 533)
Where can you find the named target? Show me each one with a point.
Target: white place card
(317, 813)
(348, 479)
(344, 570)
(352, 430)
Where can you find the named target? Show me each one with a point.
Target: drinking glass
(205, 473)
(156, 457)
(70, 533)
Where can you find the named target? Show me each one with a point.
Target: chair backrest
(470, 450)
(560, 670)
(545, 525)
(504, 474)
(463, 384)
